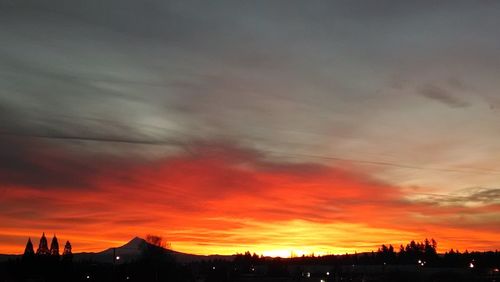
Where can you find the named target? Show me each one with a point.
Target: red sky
(221, 198)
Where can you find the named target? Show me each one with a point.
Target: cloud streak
(442, 95)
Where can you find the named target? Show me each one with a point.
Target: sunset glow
(222, 199)
(283, 131)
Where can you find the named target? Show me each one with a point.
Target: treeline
(413, 262)
(44, 264)
(421, 254)
(46, 254)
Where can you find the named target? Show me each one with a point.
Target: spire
(54, 247)
(43, 248)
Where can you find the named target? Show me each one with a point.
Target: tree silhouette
(29, 253)
(67, 254)
(43, 248)
(155, 260)
(387, 254)
(158, 241)
(54, 247)
(401, 250)
(430, 252)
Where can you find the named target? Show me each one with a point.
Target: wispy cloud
(442, 95)
(477, 197)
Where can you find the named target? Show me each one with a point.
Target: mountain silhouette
(136, 242)
(134, 250)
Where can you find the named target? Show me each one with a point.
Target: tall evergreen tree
(430, 248)
(67, 254)
(43, 248)
(29, 252)
(401, 250)
(54, 247)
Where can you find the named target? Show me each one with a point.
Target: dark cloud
(473, 197)
(28, 163)
(442, 95)
(457, 84)
(58, 153)
(39, 161)
(485, 195)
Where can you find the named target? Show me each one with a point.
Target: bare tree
(158, 241)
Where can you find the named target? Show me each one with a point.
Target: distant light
(127, 278)
(419, 261)
(117, 257)
(471, 265)
(213, 267)
(496, 270)
(422, 264)
(253, 269)
(327, 273)
(322, 280)
(308, 274)
(88, 276)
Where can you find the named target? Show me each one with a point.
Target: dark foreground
(225, 271)
(417, 262)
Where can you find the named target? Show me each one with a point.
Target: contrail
(96, 139)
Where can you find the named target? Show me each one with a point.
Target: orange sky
(220, 198)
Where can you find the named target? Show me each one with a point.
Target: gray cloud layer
(300, 78)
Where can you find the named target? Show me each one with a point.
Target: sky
(319, 127)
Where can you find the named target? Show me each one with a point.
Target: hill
(134, 250)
